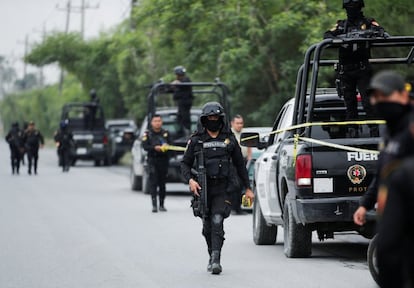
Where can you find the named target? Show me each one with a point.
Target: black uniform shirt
(399, 144)
(184, 93)
(33, 138)
(355, 53)
(15, 137)
(150, 139)
(232, 146)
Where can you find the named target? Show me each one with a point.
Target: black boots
(154, 205)
(209, 265)
(215, 262)
(162, 208)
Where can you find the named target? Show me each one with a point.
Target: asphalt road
(88, 229)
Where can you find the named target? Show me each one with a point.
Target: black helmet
(179, 70)
(92, 92)
(15, 124)
(211, 109)
(346, 2)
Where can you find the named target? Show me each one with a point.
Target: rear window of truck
(335, 112)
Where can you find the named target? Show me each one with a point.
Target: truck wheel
(136, 181)
(297, 237)
(107, 161)
(372, 259)
(262, 233)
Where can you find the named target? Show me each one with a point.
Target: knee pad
(217, 219)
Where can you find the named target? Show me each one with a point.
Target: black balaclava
(354, 12)
(212, 125)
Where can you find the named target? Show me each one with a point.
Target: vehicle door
(266, 166)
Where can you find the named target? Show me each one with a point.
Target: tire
(297, 237)
(136, 181)
(107, 161)
(372, 259)
(262, 233)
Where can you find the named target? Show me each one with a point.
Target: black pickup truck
(306, 180)
(87, 123)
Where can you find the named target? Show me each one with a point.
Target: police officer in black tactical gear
(353, 69)
(64, 142)
(183, 95)
(395, 250)
(390, 98)
(15, 139)
(33, 139)
(220, 150)
(391, 188)
(155, 141)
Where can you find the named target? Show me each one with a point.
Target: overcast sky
(27, 17)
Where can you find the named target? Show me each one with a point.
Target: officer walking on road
(15, 140)
(183, 95)
(353, 69)
(220, 150)
(390, 98)
(155, 141)
(64, 142)
(33, 139)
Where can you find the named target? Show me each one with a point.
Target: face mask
(353, 13)
(213, 125)
(391, 112)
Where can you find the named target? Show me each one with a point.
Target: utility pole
(68, 10)
(82, 9)
(26, 50)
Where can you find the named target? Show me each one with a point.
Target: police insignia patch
(227, 141)
(144, 138)
(165, 135)
(363, 27)
(357, 174)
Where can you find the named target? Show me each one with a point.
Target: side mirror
(250, 139)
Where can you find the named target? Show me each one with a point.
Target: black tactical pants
(184, 115)
(64, 158)
(33, 157)
(158, 170)
(219, 209)
(350, 78)
(15, 159)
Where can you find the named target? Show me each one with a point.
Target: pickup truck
(87, 123)
(314, 182)
(304, 186)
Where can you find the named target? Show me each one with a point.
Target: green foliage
(255, 46)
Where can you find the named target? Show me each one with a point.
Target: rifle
(365, 34)
(199, 203)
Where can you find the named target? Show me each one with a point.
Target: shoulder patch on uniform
(165, 134)
(374, 23)
(227, 141)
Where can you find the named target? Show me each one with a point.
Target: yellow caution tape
(165, 148)
(306, 125)
(295, 148)
(338, 146)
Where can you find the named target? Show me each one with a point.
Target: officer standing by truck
(33, 139)
(155, 141)
(64, 143)
(220, 150)
(391, 100)
(183, 95)
(15, 138)
(353, 69)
